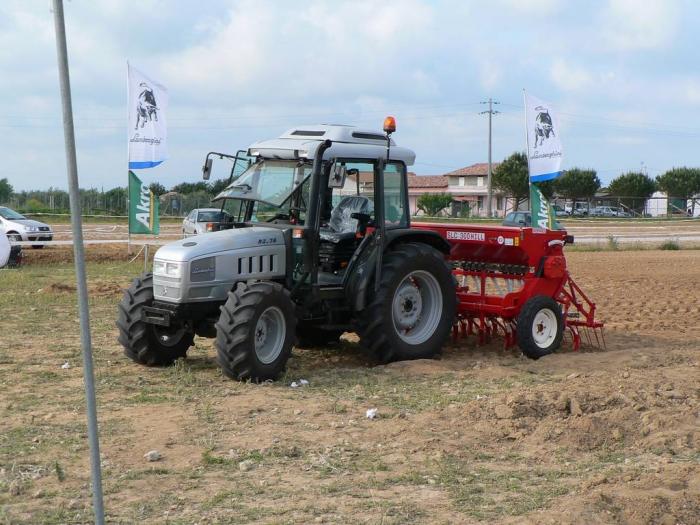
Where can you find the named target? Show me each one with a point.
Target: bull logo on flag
(147, 103)
(146, 106)
(543, 125)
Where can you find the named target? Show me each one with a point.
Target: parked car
(518, 218)
(608, 211)
(577, 209)
(523, 219)
(19, 228)
(203, 220)
(560, 212)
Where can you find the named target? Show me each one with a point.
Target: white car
(203, 220)
(19, 228)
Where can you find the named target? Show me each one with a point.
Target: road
(585, 231)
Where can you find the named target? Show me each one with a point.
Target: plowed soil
(482, 435)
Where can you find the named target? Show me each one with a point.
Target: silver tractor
(319, 242)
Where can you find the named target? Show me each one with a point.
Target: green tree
(511, 177)
(433, 203)
(157, 188)
(6, 191)
(680, 183)
(217, 186)
(190, 187)
(577, 184)
(632, 189)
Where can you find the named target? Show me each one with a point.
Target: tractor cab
(275, 190)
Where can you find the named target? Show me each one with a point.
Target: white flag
(147, 106)
(544, 152)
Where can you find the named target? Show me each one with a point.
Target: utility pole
(491, 112)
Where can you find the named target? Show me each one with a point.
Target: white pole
(527, 151)
(79, 255)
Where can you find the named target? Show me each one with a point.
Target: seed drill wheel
(411, 314)
(255, 332)
(540, 327)
(146, 343)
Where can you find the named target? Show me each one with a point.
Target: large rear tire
(255, 332)
(143, 342)
(412, 313)
(540, 327)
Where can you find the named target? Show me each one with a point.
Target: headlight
(168, 269)
(31, 228)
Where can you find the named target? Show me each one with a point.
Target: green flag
(541, 210)
(143, 207)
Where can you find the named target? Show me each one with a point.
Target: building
(468, 187)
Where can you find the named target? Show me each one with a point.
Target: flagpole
(527, 156)
(128, 185)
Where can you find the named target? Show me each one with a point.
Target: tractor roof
(348, 142)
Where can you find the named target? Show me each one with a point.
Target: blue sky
(622, 73)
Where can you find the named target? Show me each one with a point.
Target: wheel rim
(544, 328)
(417, 307)
(270, 331)
(168, 337)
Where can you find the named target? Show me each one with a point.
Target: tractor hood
(208, 244)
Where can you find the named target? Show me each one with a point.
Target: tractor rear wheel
(146, 343)
(412, 313)
(255, 331)
(540, 327)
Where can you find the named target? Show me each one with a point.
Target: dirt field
(482, 435)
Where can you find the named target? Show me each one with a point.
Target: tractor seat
(341, 225)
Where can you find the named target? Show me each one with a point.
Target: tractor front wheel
(411, 314)
(540, 327)
(145, 343)
(255, 331)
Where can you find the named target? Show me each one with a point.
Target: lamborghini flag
(143, 208)
(544, 156)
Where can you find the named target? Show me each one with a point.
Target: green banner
(541, 210)
(143, 208)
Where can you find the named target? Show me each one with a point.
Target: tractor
(317, 241)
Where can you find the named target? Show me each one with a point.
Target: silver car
(19, 228)
(203, 220)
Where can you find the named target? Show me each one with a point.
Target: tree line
(631, 189)
(110, 202)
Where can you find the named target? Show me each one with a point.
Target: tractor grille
(257, 264)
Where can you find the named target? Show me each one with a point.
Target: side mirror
(337, 178)
(206, 169)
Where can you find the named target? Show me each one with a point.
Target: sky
(622, 74)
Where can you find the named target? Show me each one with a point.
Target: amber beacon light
(389, 125)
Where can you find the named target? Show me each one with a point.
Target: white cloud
(569, 77)
(630, 25)
(533, 6)
(263, 49)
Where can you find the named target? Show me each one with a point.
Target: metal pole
(490, 191)
(489, 197)
(79, 255)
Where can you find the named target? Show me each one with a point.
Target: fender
(362, 275)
